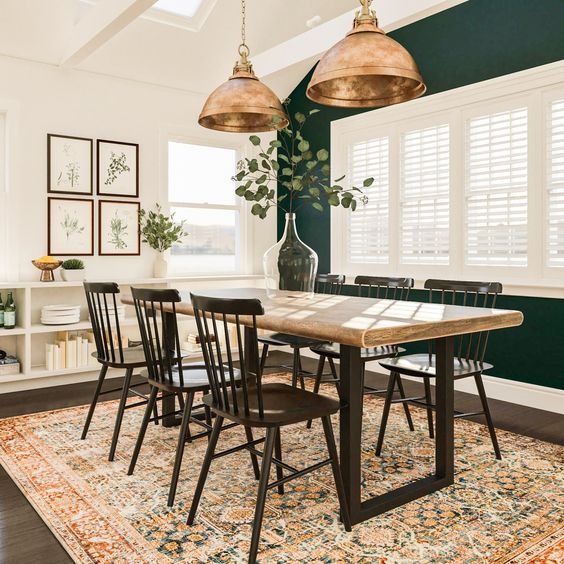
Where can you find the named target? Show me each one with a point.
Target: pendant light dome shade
(243, 104)
(367, 69)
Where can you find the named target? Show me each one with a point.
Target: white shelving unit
(27, 340)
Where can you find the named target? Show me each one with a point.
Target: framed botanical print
(69, 165)
(118, 169)
(118, 228)
(70, 224)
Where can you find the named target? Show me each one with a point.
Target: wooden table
(365, 322)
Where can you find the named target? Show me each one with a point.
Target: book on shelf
(71, 351)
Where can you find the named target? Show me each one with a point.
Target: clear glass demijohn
(290, 265)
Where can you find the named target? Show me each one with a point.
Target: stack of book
(192, 343)
(60, 314)
(70, 351)
(119, 310)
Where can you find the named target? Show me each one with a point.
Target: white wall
(43, 99)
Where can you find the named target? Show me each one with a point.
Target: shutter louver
(368, 225)
(424, 195)
(555, 212)
(496, 189)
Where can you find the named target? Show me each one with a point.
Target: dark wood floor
(25, 538)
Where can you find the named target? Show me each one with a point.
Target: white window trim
(244, 237)
(9, 198)
(536, 87)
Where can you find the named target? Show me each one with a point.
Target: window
(496, 189)
(469, 184)
(424, 202)
(555, 177)
(368, 227)
(201, 192)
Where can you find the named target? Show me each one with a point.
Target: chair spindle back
(213, 318)
(472, 346)
(383, 287)
(103, 311)
(158, 325)
(329, 283)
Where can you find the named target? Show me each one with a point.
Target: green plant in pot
(160, 232)
(304, 174)
(72, 270)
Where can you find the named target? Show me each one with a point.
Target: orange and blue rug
(496, 511)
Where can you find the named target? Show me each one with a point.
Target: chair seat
(194, 376)
(333, 350)
(284, 340)
(420, 365)
(283, 405)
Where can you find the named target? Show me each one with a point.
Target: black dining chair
(110, 353)
(470, 351)
(379, 287)
(255, 405)
(166, 372)
(331, 284)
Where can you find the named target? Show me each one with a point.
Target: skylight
(186, 8)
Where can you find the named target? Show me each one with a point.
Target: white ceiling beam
(313, 43)
(104, 21)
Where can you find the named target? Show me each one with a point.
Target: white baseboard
(511, 391)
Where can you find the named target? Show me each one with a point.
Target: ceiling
(195, 57)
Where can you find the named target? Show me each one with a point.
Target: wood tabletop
(362, 322)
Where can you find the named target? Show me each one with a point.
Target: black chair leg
(143, 429)
(300, 375)
(405, 404)
(386, 412)
(262, 490)
(317, 384)
(295, 368)
(121, 410)
(207, 412)
(205, 468)
(184, 431)
(101, 377)
(188, 409)
(429, 401)
(486, 408)
(254, 459)
(334, 373)
(263, 358)
(339, 485)
(156, 414)
(278, 455)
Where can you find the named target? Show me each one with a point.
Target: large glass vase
(290, 265)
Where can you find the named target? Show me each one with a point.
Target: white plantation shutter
(555, 178)
(424, 196)
(496, 189)
(368, 225)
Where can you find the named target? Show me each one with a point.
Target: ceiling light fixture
(243, 104)
(367, 69)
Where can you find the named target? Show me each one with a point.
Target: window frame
(535, 89)
(242, 239)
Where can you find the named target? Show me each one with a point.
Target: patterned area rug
(497, 511)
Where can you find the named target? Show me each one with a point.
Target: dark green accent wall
(475, 41)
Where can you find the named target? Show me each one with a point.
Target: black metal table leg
(351, 426)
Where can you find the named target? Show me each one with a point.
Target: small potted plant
(160, 232)
(72, 270)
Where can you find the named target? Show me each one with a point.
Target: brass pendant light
(243, 104)
(367, 69)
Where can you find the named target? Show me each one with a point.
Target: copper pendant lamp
(243, 104)
(367, 69)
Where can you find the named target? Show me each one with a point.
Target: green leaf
(322, 155)
(299, 117)
(317, 206)
(266, 165)
(254, 140)
(333, 200)
(282, 198)
(296, 158)
(297, 184)
(240, 191)
(253, 166)
(353, 205)
(257, 209)
(311, 165)
(368, 182)
(275, 165)
(276, 144)
(315, 111)
(261, 179)
(345, 203)
(249, 195)
(339, 179)
(303, 146)
(325, 169)
(314, 192)
(283, 157)
(240, 175)
(287, 171)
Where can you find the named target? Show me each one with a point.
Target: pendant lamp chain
(244, 50)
